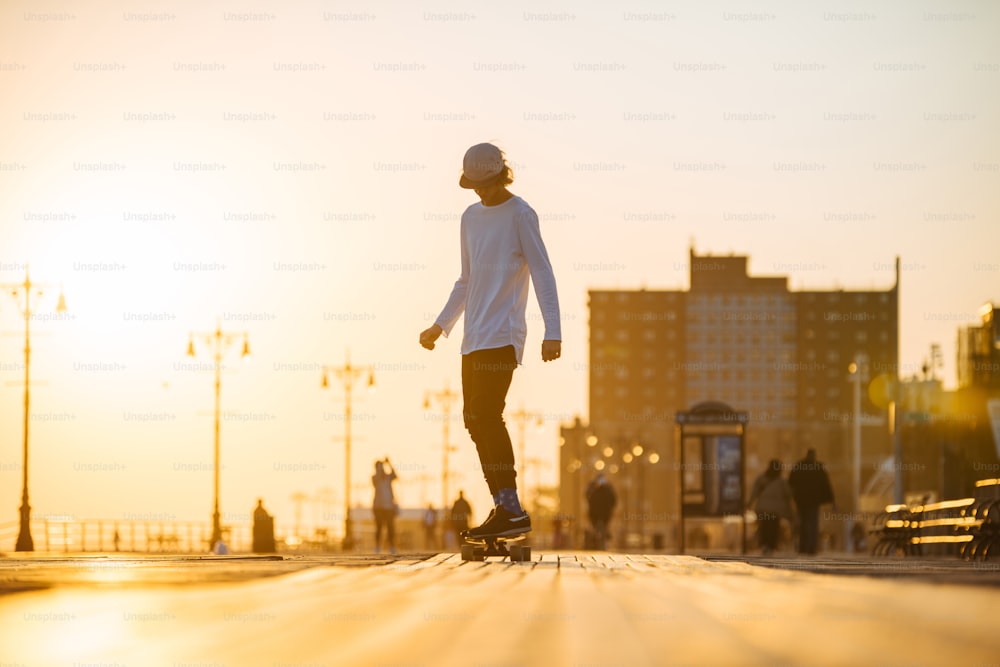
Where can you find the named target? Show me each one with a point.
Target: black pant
(486, 376)
(600, 525)
(768, 528)
(808, 528)
(385, 518)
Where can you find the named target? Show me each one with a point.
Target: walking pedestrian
(458, 520)
(772, 499)
(384, 505)
(601, 500)
(430, 526)
(811, 488)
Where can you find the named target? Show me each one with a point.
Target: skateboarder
(501, 247)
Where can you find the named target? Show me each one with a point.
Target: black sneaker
(502, 523)
(465, 533)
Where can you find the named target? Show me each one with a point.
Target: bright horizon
(292, 173)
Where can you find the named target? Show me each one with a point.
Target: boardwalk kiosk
(712, 439)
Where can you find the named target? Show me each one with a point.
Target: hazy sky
(293, 171)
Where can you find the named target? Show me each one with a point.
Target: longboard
(477, 549)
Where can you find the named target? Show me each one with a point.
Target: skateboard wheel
(478, 553)
(468, 552)
(520, 553)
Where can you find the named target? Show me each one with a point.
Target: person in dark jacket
(263, 530)
(601, 500)
(458, 521)
(810, 488)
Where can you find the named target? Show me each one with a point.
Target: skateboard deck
(477, 549)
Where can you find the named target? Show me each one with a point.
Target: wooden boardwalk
(573, 609)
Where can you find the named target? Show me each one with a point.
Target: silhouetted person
(117, 539)
(384, 505)
(501, 248)
(461, 511)
(859, 539)
(263, 530)
(772, 499)
(601, 500)
(430, 526)
(811, 488)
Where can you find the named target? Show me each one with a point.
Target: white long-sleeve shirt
(501, 248)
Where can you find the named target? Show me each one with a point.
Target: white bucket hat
(482, 163)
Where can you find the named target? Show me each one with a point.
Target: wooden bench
(966, 527)
(985, 542)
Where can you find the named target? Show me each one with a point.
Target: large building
(979, 351)
(782, 356)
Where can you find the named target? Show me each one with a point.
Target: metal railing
(80, 535)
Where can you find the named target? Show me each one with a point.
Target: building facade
(979, 351)
(782, 356)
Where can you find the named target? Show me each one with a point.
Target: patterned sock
(509, 501)
(496, 499)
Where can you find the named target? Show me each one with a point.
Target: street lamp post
(858, 370)
(219, 341)
(348, 374)
(24, 541)
(446, 397)
(521, 416)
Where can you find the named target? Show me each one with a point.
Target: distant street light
(446, 397)
(348, 374)
(219, 342)
(17, 290)
(521, 416)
